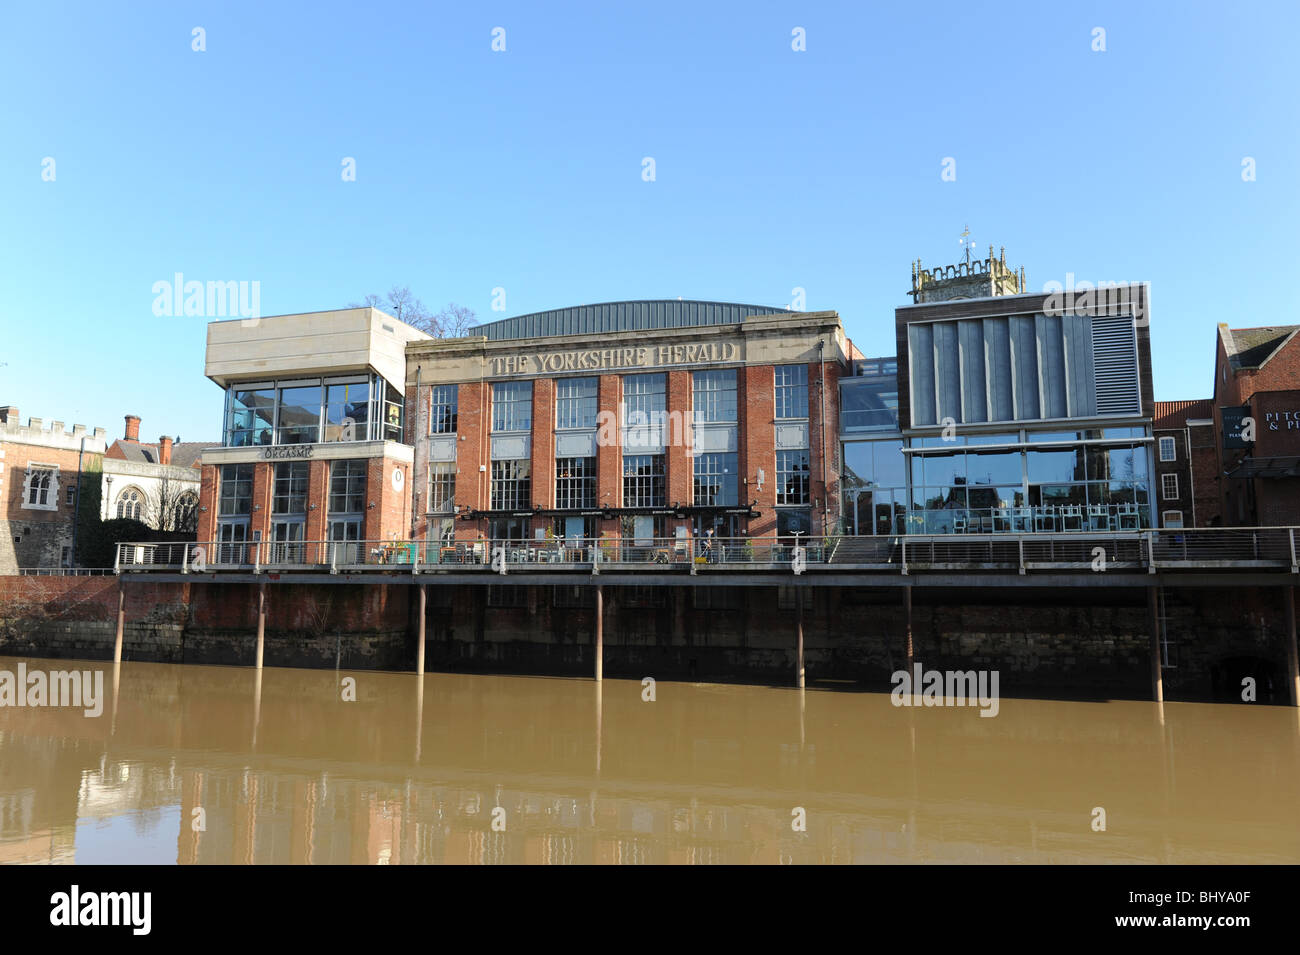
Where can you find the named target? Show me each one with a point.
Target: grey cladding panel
(1051, 365)
(921, 360)
(970, 336)
(997, 350)
(947, 370)
(1025, 345)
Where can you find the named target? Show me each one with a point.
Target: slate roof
(184, 455)
(1252, 347)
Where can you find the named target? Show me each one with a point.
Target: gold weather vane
(966, 246)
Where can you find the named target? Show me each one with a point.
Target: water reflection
(285, 771)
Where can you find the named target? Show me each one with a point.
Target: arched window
(130, 503)
(187, 512)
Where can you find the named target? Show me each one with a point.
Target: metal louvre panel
(1114, 349)
(921, 343)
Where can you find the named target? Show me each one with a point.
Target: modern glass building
(1021, 413)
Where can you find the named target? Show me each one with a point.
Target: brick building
(629, 420)
(41, 471)
(1186, 484)
(312, 438)
(1257, 424)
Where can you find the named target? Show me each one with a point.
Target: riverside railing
(1200, 548)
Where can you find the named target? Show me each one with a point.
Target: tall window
(299, 415)
(791, 391)
(347, 487)
(442, 408)
(1168, 452)
(792, 477)
(512, 485)
(236, 498)
(575, 403)
(512, 406)
(252, 414)
(713, 395)
(131, 504)
(289, 495)
(575, 483)
(715, 480)
(347, 411)
(1169, 487)
(442, 487)
(643, 480)
(41, 489)
(644, 399)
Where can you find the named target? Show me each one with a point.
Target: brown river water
(220, 765)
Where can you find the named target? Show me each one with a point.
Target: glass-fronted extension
(1049, 477)
(361, 407)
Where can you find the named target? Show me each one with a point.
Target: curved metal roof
(634, 316)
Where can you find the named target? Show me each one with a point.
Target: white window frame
(1164, 487)
(52, 492)
(1167, 441)
(1164, 520)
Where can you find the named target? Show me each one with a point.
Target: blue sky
(522, 169)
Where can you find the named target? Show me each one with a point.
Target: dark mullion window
(575, 483)
(289, 495)
(792, 477)
(347, 487)
(443, 402)
(643, 480)
(512, 485)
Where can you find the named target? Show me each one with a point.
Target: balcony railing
(1228, 548)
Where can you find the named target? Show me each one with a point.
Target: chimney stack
(164, 450)
(8, 415)
(132, 428)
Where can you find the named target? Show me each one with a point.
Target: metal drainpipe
(76, 506)
(821, 391)
(410, 495)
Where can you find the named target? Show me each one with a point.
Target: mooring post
(261, 621)
(121, 621)
(1292, 655)
(798, 602)
(419, 643)
(907, 626)
(600, 632)
(1157, 677)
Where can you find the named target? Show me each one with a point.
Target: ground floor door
(344, 536)
(287, 542)
(232, 543)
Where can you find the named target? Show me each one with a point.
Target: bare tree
(452, 321)
(176, 506)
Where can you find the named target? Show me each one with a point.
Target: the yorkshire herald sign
(602, 359)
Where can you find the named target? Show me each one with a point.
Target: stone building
(41, 469)
(154, 483)
(1257, 424)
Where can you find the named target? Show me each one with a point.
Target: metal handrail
(1163, 549)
